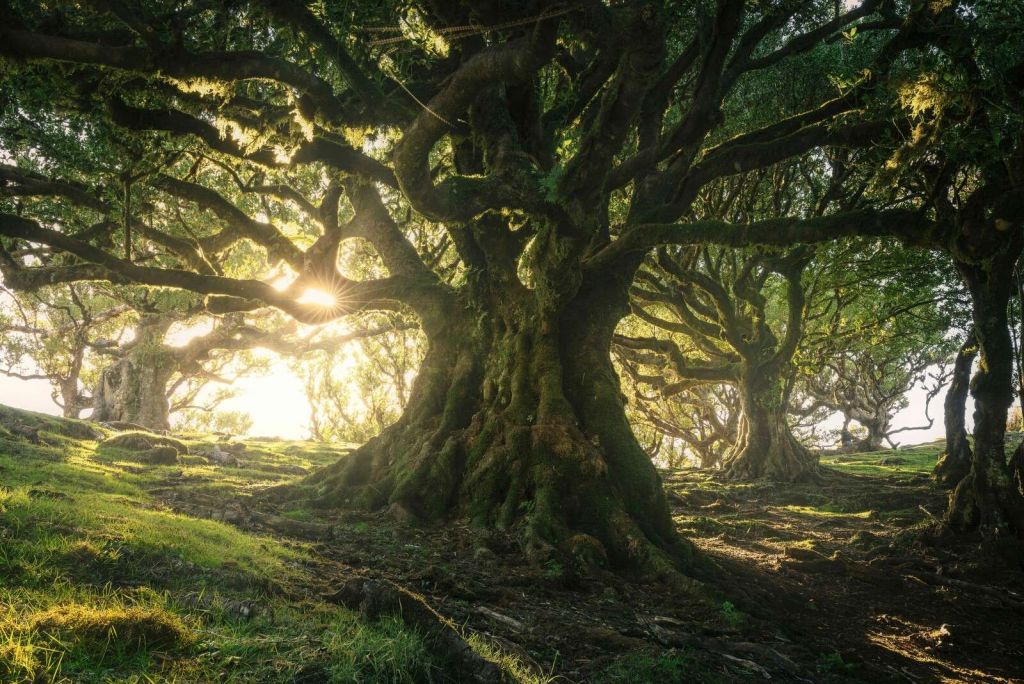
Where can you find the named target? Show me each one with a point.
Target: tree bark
(985, 498)
(766, 447)
(516, 421)
(878, 428)
(955, 461)
(134, 388)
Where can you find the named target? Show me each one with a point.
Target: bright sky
(276, 401)
(278, 405)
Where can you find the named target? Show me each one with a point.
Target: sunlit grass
(150, 594)
(827, 511)
(917, 460)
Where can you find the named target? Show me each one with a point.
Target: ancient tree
(869, 349)
(552, 145)
(717, 300)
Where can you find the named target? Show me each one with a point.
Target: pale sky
(276, 401)
(278, 405)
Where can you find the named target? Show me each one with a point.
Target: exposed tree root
(779, 457)
(381, 598)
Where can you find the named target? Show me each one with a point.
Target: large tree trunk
(955, 461)
(516, 420)
(986, 498)
(878, 428)
(766, 447)
(134, 388)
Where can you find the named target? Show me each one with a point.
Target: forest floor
(117, 570)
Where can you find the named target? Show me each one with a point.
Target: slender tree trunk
(986, 498)
(70, 397)
(846, 438)
(955, 461)
(516, 420)
(766, 446)
(134, 388)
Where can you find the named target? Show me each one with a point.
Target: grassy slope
(100, 582)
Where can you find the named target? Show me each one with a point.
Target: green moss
(904, 463)
(828, 511)
(142, 441)
(98, 630)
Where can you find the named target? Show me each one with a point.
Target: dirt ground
(847, 579)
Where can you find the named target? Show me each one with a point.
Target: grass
(101, 582)
(910, 462)
(828, 511)
(901, 463)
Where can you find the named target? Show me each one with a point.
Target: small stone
(482, 553)
(222, 457)
(25, 432)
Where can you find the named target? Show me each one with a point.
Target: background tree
(878, 326)
(964, 161)
(357, 390)
(52, 334)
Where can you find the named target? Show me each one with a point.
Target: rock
(25, 432)
(142, 441)
(160, 455)
(400, 513)
(803, 554)
(222, 457)
(235, 447)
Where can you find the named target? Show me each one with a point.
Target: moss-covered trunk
(134, 388)
(517, 422)
(955, 460)
(986, 498)
(765, 446)
(877, 427)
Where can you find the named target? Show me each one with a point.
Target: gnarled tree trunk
(986, 498)
(955, 460)
(134, 388)
(516, 420)
(766, 447)
(878, 429)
